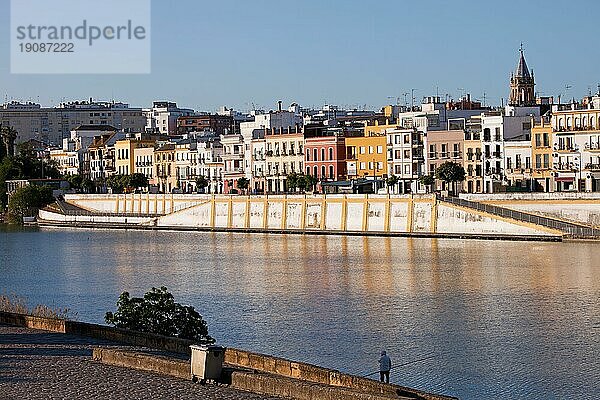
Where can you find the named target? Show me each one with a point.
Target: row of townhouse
(509, 149)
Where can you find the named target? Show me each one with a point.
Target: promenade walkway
(42, 365)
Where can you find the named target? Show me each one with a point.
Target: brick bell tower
(522, 84)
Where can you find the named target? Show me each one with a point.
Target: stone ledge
(296, 389)
(143, 362)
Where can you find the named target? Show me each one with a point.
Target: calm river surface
(504, 319)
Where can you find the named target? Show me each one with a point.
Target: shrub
(157, 312)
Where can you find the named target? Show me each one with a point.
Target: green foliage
(450, 172)
(392, 180)
(427, 180)
(243, 183)
(7, 171)
(75, 181)
(137, 180)
(201, 182)
(292, 181)
(307, 182)
(121, 183)
(157, 312)
(26, 201)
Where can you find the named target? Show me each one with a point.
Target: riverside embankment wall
(575, 207)
(272, 366)
(368, 214)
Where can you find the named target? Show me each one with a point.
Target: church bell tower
(522, 84)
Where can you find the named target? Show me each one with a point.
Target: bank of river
(505, 319)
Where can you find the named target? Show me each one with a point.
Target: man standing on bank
(385, 365)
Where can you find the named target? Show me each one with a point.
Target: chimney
(279, 103)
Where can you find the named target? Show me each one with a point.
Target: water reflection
(504, 319)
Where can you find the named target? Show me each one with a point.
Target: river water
(502, 319)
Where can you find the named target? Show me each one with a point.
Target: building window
(315, 155)
(323, 176)
(538, 161)
(322, 154)
(362, 149)
(362, 165)
(379, 149)
(331, 174)
(331, 153)
(370, 149)
(546, 161)
(407, 139)
(308, 156)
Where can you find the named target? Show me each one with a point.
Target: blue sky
(238, 53)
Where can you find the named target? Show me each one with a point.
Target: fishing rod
(432, 355)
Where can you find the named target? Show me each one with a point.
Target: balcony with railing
(592, 167)
(565, 148)
(594, 146)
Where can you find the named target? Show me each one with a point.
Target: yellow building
(366, 155)
(165, 168)
(124, 154)
(541, 155)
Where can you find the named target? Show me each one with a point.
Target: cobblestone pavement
(42, 365)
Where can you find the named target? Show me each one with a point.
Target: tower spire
(522, 83)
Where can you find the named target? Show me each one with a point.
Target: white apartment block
(405, 158)
(53, 124)
(162, 117)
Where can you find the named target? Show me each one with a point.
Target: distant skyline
(351, 53)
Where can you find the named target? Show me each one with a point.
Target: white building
(273, 120)
(53, 124)
(512, 123)
(518, 164)
(405, 158)
(162, 117)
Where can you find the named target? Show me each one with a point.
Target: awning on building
(564, 179)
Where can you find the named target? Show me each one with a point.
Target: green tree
(116, 183)
(201, 183)
(75, 181)
(450, 172)
(8, 170)
(26, 201)
(243, 183)
(88, 185)
(157, 312)
(428, 181)
(137, 180)
(392, 181)
(307, 182)
(292, 181)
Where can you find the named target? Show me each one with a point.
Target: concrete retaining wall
(52, 216)
(144, 362)
(351, 214)
(312, 373)
(279, 367)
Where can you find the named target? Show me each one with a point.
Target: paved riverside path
(43, 365)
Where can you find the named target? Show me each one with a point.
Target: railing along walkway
(73, 210)
(568, 228)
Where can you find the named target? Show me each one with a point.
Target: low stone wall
(320, 375)
(95, 331)
(28, 321)
(278, 368)
(143, 362)
(273, 385)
